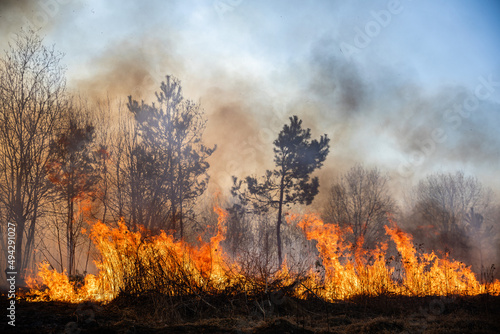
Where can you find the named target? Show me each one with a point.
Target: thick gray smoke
(374, 113)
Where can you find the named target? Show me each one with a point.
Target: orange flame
(134, 262)
(128, 258)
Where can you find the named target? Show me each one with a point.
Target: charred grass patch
(152, 312)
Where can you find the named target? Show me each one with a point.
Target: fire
(346, 274)
(136, 262)
(56, 286)
(369, 272)
(133, 261)
(430, 275)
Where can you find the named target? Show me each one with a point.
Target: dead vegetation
(158, 284)
(265, 313)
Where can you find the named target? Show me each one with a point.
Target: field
(154, 313)
(155, 284)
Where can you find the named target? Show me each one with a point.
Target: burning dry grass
(350, 273)
(135, 263)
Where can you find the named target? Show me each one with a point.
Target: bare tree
(32, 87)
(124, 188)
(444, 199)
(239, 229)
(102, 119)
(360, 200)
(136, 190)
(441, 205)
(480, 232)
(72, 171)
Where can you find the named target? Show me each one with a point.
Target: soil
(263, 314)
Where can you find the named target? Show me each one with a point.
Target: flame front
(136, 263)
(370, 272)
(133, 262)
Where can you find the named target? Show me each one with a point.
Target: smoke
(10, 6)
(10, 10)
(11, 13)
(428, 129)
(373, 113)
(354, 106)
(41, 16)
(241, 115)
(376, 114)
(131, 67)
(336, 83)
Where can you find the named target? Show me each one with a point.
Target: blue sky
(252, 64)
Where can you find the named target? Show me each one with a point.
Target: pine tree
(296, 157)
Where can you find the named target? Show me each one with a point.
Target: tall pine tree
(296, 157)
(171, 153)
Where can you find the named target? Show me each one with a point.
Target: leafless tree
(32, 88)
(124, 199)
(360, 200)
(441, 204)
(444, 199)
(73, 173)
(480, 232)
(104, 119)
(239, 235)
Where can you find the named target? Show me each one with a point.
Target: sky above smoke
(412, 87)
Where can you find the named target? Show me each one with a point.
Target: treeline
(65, 161)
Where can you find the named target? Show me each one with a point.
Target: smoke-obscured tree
(440, 203)
(360, 200)
(239, 229)
(170, 157)
(127, 194)
(480, 233)
(101, 119)
(32, 87)
(296, 157)
(73, 174)
(144, 189)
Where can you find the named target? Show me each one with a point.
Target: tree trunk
(20, 224)
(60, 248)
(181, 223)
(278, 236)
(70, 238)
(174, 221)
(181, 179)
(30, 239)
(278, 224)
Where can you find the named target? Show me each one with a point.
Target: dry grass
(156, 313)
(157, 283)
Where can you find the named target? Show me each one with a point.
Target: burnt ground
(154, 313)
